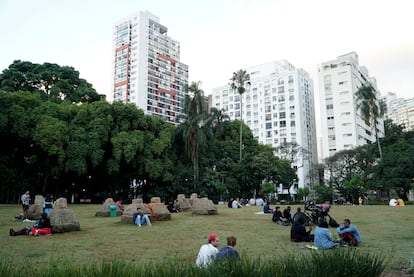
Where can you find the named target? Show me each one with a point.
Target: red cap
(212, 237)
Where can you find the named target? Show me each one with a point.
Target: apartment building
(278, 107)
(400, 110)
(146, 66)
(342, 125)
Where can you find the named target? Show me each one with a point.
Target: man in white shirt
(208, 251)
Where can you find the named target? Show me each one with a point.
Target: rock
(63, 219)
(156, 210)
(203, 206)
(183, 204)
(104, 209)
(35, 210)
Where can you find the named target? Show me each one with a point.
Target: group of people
(47, 203)
(348, 233)
(41, 227)
(322, 238)
(278, 217)
(210, 253)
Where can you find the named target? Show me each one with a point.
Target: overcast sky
(219, 37)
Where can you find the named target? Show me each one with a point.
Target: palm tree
(238, 82)
(216, 119)
(191, 123)
(371, 108)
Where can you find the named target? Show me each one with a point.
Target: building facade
(146, 67)
(278, 107)
(342, 126)
(400, 111)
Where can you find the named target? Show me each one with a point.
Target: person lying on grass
(42, 227)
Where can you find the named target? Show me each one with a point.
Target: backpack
(333, 223)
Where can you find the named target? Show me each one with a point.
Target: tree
(238, 82)
(355, 188)
(342, 166)
(371, 108)
(216, 119)
(192, 121)
(51, 81)
(303, 193)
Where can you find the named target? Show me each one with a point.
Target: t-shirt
(227, 252)
(206, 254)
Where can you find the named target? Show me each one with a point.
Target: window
(282, 123)
(329, 107)
(268, 125)
(282, 115)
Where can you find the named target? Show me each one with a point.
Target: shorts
(25, 207)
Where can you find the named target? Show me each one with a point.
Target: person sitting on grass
(42, 227)
(266, 208)
(228, 251)
(208, 251)
(287, 214)
(278, 217)
(349, 233)
(323, 237)
(298, 231)
(141, 218)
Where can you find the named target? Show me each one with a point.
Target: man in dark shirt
(228, 251)
(278, 217)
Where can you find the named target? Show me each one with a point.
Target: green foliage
(324, 193)
(346, 262)
(354, 188)
(51, 81)
(302, 193)
(268, 187)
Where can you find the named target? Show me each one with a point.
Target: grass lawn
(386, 231)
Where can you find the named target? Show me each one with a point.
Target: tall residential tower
(343, 127)
(279, 109)
(146, 67)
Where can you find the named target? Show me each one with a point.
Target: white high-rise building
(400, 111)
(146, 66)
(279, 108)
(342, 124)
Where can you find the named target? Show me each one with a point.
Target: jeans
(140, 220)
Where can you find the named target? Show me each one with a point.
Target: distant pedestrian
(25, 203)
(48, 204)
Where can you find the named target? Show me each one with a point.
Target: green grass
(386, 232)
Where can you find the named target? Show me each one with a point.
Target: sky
(219, 37)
